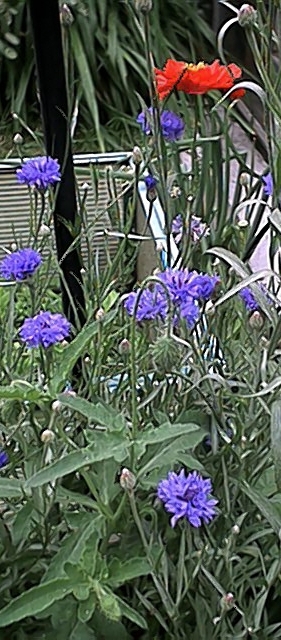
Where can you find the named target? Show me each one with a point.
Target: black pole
(45, 23)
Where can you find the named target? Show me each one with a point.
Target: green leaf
(166, 431)
(131, 614)
(87, 81)
(268, 510)
(86, 609)
(21, 390)
(35, 600)
(175, 452)
(105, 446)
(70, 354)
(276, 440)
(10, 488)
(82, 631)
(121, 572)
(97, 413)
(22, 523)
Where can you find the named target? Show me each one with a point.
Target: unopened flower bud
(66, 16)
(242, 224)
(247, 15)
(56, 405)
(47, 436)
(18, 139)
(227, 601)
(144, 6)
(14, 246)
(244, 179)
(124, 346)
(85, 186)
(82, 271)
(127, 480)
(256, 320)
(100, 314)
(137, 156)
(175, 191)
(235, 529)
(44, 230)
(151, 195)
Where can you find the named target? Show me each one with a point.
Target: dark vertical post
(46, 29)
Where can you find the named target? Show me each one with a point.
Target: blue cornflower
(4, 459)
(152, 305)
(40, 172)
(201, 286)
(172, 125)
(20, 264)
(197, 228)
(44, 329)
(150, 182)
(249, 299)
(177, 281)
(268, 184)
(190, 312)
(187, 497)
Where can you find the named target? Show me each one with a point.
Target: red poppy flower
(195, 78)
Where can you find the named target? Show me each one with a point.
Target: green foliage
(105, 64)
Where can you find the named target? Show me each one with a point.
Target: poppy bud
(56, 405)
(247, 15)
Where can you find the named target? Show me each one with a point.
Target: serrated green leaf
(35, 600)
(121, 572)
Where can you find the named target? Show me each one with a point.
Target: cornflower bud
(14, 246)
(127, 480)
(244, 179)
(256, 320)
(18, 139)
(66, 16)
(247, 15)
(47, 436)
(144, 6)
(100, 314)
(44, 230)
(227, 601)
(124, 346)
(235, 529)
(56, 405)
(137, 156)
